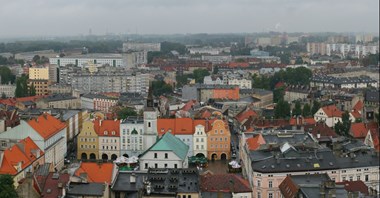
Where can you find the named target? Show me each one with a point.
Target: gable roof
(245, 114)
(22, 152)
(100, 126)
(301, 121)
(375, 138)
(255, 142)
(169, 142)
(358, 130)
(355, 186)
(96, 172)
(178, 126)
(46, 125)
(224, 183)
(332, 111)
(355, 114)
(358, 106)
(320, 128)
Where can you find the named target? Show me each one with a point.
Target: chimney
(100, 122)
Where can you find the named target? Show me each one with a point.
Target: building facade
(109, 138)
(218, 141)
(88, 142)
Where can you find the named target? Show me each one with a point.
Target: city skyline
(68, 18)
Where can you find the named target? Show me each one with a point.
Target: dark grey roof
(372, 96)
(216, 195)
(43, 170)
(85, 189)
(58, 97)
(186, 181)
(133, 120)
(70, 113)
(28, 103)
(342, 80)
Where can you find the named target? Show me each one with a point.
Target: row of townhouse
(267, 161)
(109, 139)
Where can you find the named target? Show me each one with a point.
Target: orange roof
(18, 154)
(188, 105)
(100, 126)
(255, 142)
(358, 106)
(302, 121)
(332, 111)
(46, 125)
(358, 130)
(375, 138)
(245, 115)
(98, 173)
(237, 64)
(177, 126)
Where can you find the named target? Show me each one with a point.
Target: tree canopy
(6, 75)
(22, 89)
(125, 112)
(160, 87)
(282, 109)
(7, 188)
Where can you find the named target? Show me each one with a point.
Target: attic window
(113, 132)
(105, 132)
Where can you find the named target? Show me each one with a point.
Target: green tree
(125, 112)
(22, 86)
(306, 111)
(343, 128)
(282, 109)
(36, 58)
(199, 75)
(297, 109)
(278, 94)
(32, 90)
(315, 108)
(299, 60)
(6, 75)
(3, 96)
(7, 188)
(160, 88)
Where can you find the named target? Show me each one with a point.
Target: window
(155, 165)
(351, 179)
(197, 146)
(105, 132)
(270, 184)
(258, 183)
(358, 178)
(343, 171)
(175, 166)
(270, 195)
(221, 139)
(155, 155)
(216, 131)
(212, 139)
(258, 194)
(333, 178)
(113, 132)
(197, 140)
(188, 196)
(343, 178)
(146, 165)
(166, 156)
(149, 124)
(366, 178)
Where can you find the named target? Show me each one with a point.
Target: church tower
(150, 121)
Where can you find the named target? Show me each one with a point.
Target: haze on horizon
(21, 18)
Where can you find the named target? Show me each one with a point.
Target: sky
(77, 17)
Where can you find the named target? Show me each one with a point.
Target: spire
(149, 100)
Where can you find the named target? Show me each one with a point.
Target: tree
(278, 94)
(36, 58)
(22, 86)
(125, 112)
(282, 109)
(343, 128)
(297, 109)
(32, 90)
(7, 188)
(315, 108)
(306, 111)
(3, 96)
(199, 75)
(160, 87)
(6, 75)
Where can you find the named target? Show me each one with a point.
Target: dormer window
(105, 132)
(113, 133)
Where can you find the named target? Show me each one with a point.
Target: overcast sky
(75, 17)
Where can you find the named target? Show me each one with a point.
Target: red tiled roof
(356, 114)
(358, 130)
(19, 154)
(224, 183)
(237, 64)
(100, 126)
(46, 125)
(302, 121)
(245, 114)
(52, 185)
(177, 126)
(188, 105)
(358, 106)
(279, 84)
(332, 111)
(354, 186)
(320, 128)
(98, 173)
(255, 142)
(375, 138)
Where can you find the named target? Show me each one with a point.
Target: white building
(131, 136)
(328, 114)
(241, 82)
(147, 47)
(209, 50)
(200, 141)
(8, 90)
(109, 138)
(168, 152)
(47, 132)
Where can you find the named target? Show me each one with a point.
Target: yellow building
(41, 86)
(39, 73)
(88, 142)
